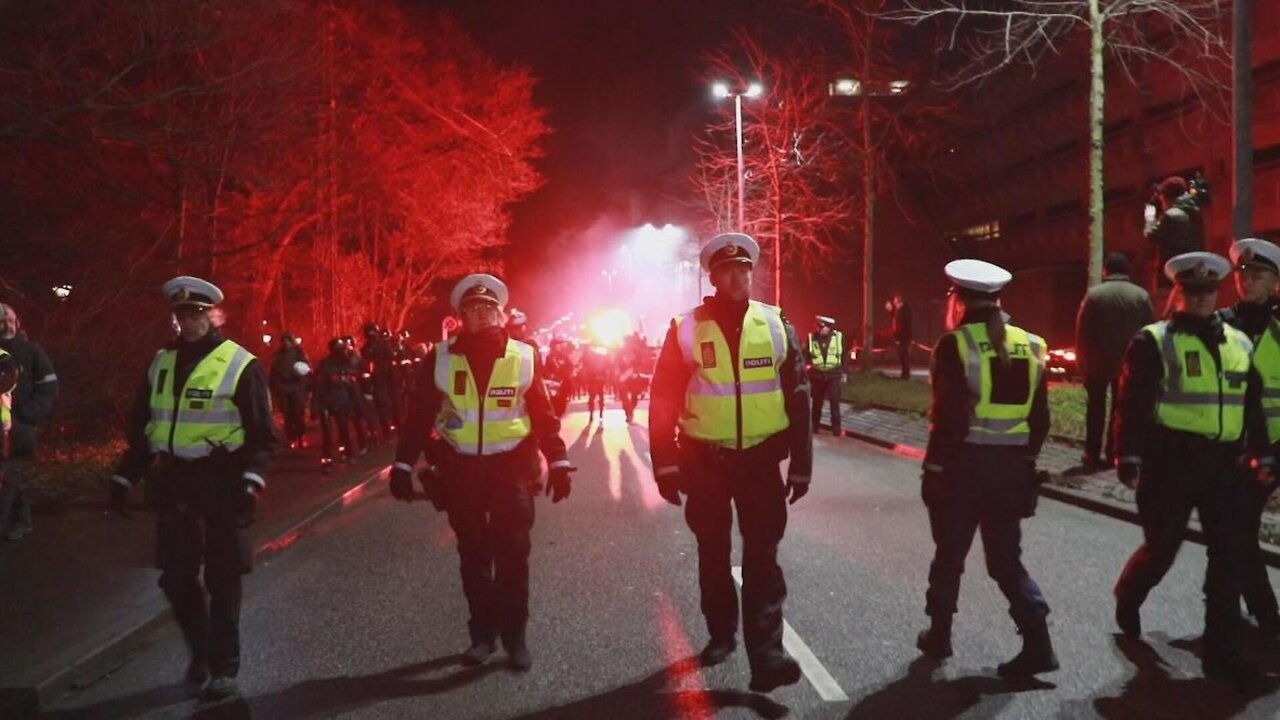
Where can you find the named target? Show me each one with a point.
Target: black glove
(559, 483)
(1129, 474)
(797, 488)
(402, 484)
(246, 504)
(119, 498)
(670, 486)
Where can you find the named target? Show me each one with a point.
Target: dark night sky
(622, 85)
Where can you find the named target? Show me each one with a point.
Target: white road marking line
(827, 687)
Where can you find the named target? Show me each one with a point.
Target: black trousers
(492, 515)
(987, 490)
(826, 389)
(1259, 596)
(560, 401)
(1098, 419)
(1201, 475)
(337, 426)
(716, 483)
(630, 391)
(197, 537)
(904, 358)
(294, 406)
(595, 396)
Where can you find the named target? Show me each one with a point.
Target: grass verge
(61, 473)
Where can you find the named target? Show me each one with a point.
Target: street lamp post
(754, 90)
(849, 87)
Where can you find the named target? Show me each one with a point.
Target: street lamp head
(720, 90)
(846, 87)
(898, 87)
(754, 90)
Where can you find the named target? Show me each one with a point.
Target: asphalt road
(364, 617)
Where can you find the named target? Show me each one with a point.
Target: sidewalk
(908, 434)
(84, 582)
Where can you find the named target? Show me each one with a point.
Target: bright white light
(609, 327)
(62, 291)
(897, 87)
(720, 90)
(754, 90)
(266, 339)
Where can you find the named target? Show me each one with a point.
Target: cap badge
(731, 250)
(182, 294)
(1200, 271)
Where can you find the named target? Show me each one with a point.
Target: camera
(1198, 189)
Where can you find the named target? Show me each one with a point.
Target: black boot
(1037, 654)
(935, 642)
(774, 674)
(717, 650)
(518, 656)
(1128, 617)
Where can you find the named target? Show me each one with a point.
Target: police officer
(483, 393)
(730, 402)
(826, 370)
(9, 375)
(989, 418)
(1257, 265)
(290, 369)
(31, 403)
(1190, 399)
(336, 406)
(205, 411)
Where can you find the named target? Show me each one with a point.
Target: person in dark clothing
(377, 383)
(824, 357)
(337, 406)
(634, 368)
(32, 403)
(1110, 314)
(903, 333)
(730, 403)
(290, 371)
(988, 421)
(1190, 407)
(1174, 226)
(1257, 264)
(205, 412)
(560, 375)
(595, 376)
(483, 394)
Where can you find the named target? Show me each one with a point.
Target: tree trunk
(1242, 120)
(868, 240)
(1097, 120)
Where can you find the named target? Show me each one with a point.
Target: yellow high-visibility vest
(833, 358)
(1196, 396)
(201, 415)
(734, 406)
(498, 423)
(992, 423)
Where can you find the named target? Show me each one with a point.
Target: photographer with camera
(1175, 222)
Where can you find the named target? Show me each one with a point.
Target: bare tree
(1183, 34)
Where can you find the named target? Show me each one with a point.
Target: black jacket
(1136, 431)
(671, 379)
(1179, 229)
(336, 386)
(952, 401)
(284, 378)
(33, 397)
(482, 350)
(251, 398)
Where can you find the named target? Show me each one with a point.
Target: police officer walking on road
(826, 370)
(730, 402)
(1190, 400)
(1257, 265)
(206, 412)
(989, 418)
(483, 393)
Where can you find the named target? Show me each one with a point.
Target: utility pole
(1242, 120)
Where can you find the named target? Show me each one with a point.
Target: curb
(1102, 506)
(98, 660)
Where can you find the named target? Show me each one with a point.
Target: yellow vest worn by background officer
(1196, 396)
(832, 359)
(202, 416)
(501, 421)
(734, 406)
(1266, 358)
(990, 422)
(8, 381)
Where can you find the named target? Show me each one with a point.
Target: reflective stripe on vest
(1266, 358)
(992, 423)
(1196, 396)
(831, 359)
(6, 409)
(202, 415)
(501, 422)
(733, 406)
